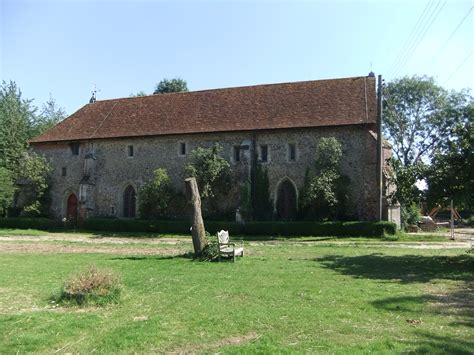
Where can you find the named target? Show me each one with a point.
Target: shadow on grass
(404, 268)
(458, 303)
(188, 256)
(427, 343)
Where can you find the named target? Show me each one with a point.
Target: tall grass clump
(91, 286)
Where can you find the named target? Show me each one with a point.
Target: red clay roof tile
(289, 105)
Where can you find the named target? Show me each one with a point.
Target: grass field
(284, 296)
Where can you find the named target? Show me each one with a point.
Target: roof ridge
(310, 103)
(228, 88)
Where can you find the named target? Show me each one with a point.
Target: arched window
(129, 202)
(71, 207)
(286, 201)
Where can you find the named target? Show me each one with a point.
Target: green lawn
(13, 232)
(281, 297)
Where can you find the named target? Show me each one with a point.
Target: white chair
(226, 248)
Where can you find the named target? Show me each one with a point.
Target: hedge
(287, 229)
(31, 223)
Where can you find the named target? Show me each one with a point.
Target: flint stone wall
(102, 170)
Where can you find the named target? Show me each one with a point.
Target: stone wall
(103, 169)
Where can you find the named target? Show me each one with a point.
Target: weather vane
(94, 92)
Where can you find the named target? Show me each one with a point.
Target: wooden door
(129, 202)
(286, 201)
(71, 210)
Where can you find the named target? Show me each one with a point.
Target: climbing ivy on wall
(325, 193)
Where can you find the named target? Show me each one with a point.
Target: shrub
(91, 286)
(410, 214)
(211, 250)
(156, 195)
(268, 228)
(341, 229)
(31, 223)
(325, 193)
(469, 221)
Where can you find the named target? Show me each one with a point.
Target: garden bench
(226, 248)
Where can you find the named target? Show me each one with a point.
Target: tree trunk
(198, 231)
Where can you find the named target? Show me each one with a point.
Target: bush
(91, 286)
(31, 223)
(211, 250)
(469, 221)
(338, 229)
(410, 214)
(136, 225)
(341, 229)
(156, 195)
(270, 228)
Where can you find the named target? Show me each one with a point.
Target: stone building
(102, 154)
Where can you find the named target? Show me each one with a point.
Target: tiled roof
(289, 105)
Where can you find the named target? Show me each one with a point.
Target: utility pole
(451, 222)
(379, 149)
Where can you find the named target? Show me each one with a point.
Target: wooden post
(198, 231)
(380, 159)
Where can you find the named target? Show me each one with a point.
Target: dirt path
(74, 243)
(38, 247)
(78, 238)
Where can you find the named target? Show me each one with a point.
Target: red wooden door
(71, 211)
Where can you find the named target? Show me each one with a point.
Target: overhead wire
(433, 16)
(458, 67)
(410, 37)
(440, 50)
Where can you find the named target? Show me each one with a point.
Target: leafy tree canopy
(209, 168)
(51, 114)
(16, 125)
(419, 116)
(451, 174)
(19, 122)
(166, 86)
(7, 190)
(139, 94)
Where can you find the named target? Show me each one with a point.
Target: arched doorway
(286, 201)
(129, 202)
(71, 209)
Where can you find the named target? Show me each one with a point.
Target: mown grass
(281, 297)
(14, 232)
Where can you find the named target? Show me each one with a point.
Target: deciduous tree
(166, 86)
(451, 174)
(7, 190)
(419, 116)
(209, 169)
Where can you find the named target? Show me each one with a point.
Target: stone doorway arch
(71, 207)
(129, 202)
(286, 202)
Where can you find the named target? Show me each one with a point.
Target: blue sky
(64, 47)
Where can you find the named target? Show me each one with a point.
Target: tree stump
(198, 231)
